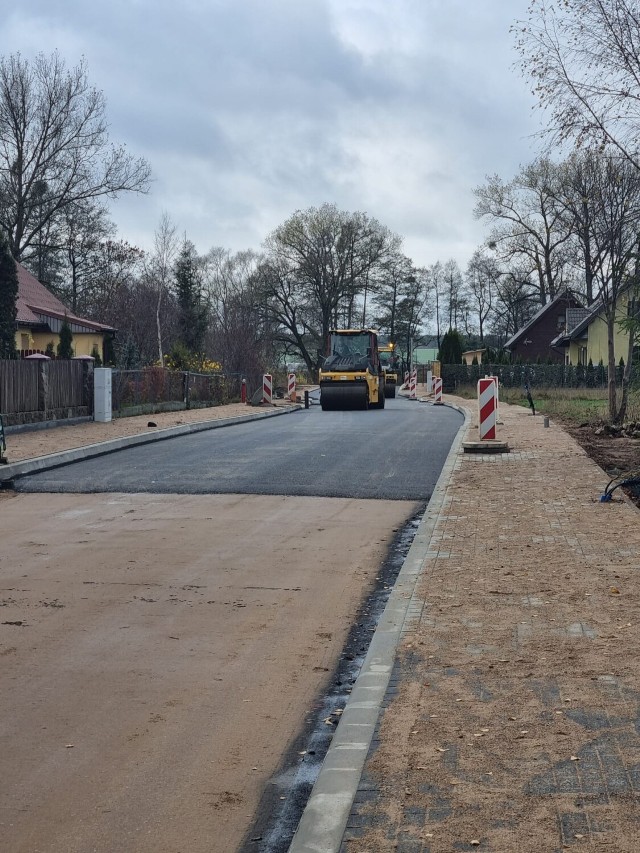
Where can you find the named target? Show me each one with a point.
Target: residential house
(533, 340)
(40, 317)
(587, 340)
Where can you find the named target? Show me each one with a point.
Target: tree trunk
(611, 368)
(621, 414)
(159, 329)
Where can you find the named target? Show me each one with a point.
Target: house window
(561, 322)
(24, 341)
(582, 356)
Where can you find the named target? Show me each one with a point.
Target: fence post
(187, 401)
(102, 393)
(43, 388)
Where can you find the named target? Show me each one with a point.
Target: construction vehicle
(351, 376)
(389, 361)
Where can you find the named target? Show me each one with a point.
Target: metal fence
(40, 390)
(536, 375)
(155, 389)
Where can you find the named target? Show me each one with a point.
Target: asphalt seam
(65, 457)
(325, 817)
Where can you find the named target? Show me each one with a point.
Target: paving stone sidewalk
(512, 718)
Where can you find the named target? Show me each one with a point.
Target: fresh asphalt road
(391, 454)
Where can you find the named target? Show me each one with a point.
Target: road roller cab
(351, 376)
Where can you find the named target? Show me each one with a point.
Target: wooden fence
(38, 390)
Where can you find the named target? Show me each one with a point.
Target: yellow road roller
(352, 376)
(390, 367)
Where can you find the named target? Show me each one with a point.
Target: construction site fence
(535, 375)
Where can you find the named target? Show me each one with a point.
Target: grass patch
(577, 405)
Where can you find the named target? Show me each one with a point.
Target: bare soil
(615, 454)
(159, 654)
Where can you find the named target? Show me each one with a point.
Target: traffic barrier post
(437, 389)
(291, 389)
(487, 409)
(267, 388)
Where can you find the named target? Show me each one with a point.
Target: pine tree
(65, 347)
(451, 348)
(193, 315)
(8, 301)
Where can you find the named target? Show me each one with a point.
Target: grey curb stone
(325, 817)
(64, 457)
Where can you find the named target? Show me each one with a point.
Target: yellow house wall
(574, 352)
(82, 343)
(597, 342)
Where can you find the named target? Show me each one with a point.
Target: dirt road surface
(159, 653)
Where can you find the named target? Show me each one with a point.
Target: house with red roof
(40, 318)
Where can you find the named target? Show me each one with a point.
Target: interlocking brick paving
(513, 722)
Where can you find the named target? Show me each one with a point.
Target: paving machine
(351, 376)
(389, 362)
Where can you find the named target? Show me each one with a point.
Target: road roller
(351, 376)
(390, 367)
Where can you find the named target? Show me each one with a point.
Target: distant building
(534, 340)
(470, 354)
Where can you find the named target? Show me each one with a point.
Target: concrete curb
(326, 814)
(65, 457)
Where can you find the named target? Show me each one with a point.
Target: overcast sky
(248, 110)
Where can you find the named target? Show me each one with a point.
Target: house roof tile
(34, 301)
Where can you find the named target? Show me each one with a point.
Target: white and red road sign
(267, 388)
(413, 384)
(291, 387)
(437, 389)
(487, 408)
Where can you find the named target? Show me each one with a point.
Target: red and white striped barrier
(487, 408)
(267, 388)
(291, 387)
(407, 377)
(413, 384)
(437, 389)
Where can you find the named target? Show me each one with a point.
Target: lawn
(573, 405)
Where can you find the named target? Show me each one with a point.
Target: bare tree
(54, 147)
(84, 225)
(239, 336)
(390, 289)
(295, 324)
(329, 254)
(528, 223)
(435, 274)
(454, 294)
(583, 58)
(482, 277)
(614, 204)
(158, 270)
